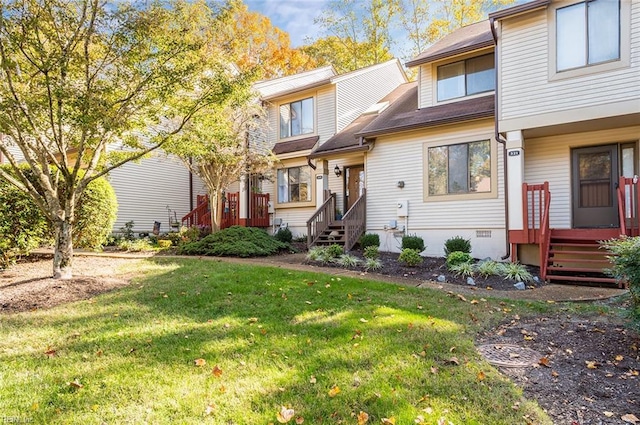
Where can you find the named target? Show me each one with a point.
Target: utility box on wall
(403, 208)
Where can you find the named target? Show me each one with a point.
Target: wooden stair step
(574, 269)
(566, 252)
(576, 244)
(582, 279)
(580, 260)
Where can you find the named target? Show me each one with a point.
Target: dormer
(460, 66)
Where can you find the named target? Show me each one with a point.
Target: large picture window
(460, 168)
(587, 33)
(296, 118)
(294, 184)
(467, 77)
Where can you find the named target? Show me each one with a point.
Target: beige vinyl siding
(273, 121)
(336, 184)
(549, 159)
(527, 89)
(145, 189)
(425, 96)
(400, 158)
(326, 113)
(354, 94)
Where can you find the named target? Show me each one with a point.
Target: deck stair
(334, 234)
(575, 257)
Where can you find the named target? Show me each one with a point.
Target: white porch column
(515, 166)
(243, 211)
(322, 181)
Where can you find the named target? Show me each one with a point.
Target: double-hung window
(296, 118)
(587, 33)
(294, 184)
(466, 77)
(459, 169)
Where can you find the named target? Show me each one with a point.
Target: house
(569, 110)
(306, 111)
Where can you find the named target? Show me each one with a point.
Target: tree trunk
(215, 205)
(63, 254)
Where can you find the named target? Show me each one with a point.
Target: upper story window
(466, 77)
(587, 33)
(296, 118)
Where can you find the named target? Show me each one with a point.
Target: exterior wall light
(337, 170)
(400, 184)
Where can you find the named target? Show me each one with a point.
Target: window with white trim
(587, 33)
(294, 184)
(459, 169)
(466, 77)
(296, 118)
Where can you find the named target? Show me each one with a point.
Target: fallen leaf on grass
(209, 409)
(285, 415)
(200, 362)
(75, 384)
(454, 360)
(630, 418)
(217, 372)
(50, 352)
(299, 420)
(312, 380)
(481, 376)
(363, 417)
(363, 320)
(334, 391)
(389, 421)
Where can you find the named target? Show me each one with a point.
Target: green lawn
(195, 341)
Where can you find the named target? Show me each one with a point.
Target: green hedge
(235, 241)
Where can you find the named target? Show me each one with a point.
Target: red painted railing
(200, 215)
(536, 200)
(230, 210)
(628, 196)
(259, 214)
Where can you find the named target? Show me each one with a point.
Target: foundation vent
(483, 233)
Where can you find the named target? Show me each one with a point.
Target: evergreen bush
(413, 242)
(235, 241)
(284, 235)
(457, 243)
(369, 239)
(457, 257)
(371, 252)
(410, 257)
(95, 214)
(625, 257)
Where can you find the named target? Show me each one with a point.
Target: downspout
(500, 140)
(190, 184)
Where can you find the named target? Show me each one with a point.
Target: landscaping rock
(471, 282)
(519, 286)
(442, 278)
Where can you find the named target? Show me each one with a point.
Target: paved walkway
(551, 292)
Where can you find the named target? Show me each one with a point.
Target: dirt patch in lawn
(28, 285)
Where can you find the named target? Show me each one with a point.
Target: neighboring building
(305, 112)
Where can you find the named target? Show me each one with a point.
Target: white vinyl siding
(400, 158)
(425, 94)
(354, 94)
(145, 189)
(326, 113)
(549, 159)
(528, 90)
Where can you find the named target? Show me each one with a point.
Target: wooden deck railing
(200, 215)
(259, 210)
(355, 221)
(230, 210)
(628, 196)
(321, 219)
(536, 200)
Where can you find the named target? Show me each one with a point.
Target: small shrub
(410, 257)
(413, 242)
(517, 272)
(458, 257)
(300, 238)
(176, 238)
(164, 243)
(235, 241)
(126, 232)
(372, 264)
(369, 239)
(457, 243)
(188, 234)
(347, 260)
(96, 212)
(489, 268)
(138, 245)
(316, 253)
(284, 235)
(463, 269)
(626, 263)
(371, 252)
(335, 250)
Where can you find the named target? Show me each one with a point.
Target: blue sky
(293, 16)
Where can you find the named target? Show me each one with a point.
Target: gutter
(500, 140)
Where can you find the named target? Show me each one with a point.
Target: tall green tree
(78, 75)
(426, 21)
(359, 29)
